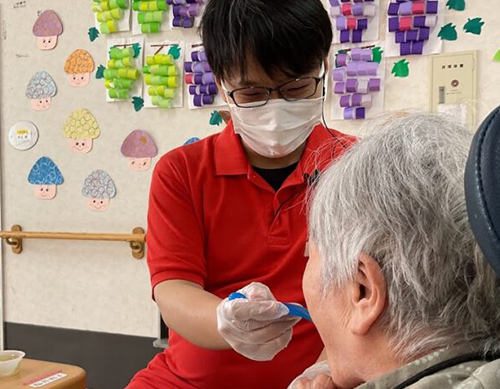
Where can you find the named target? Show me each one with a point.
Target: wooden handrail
(136, 240)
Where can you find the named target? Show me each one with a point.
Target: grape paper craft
(78, 67)
(99, 189)
(23, 135)
(149, 16)
(355, 21)
(186, 13)
(413, 27)
(200, 80)
(41, 89)
(162, 75)
(81, 129)
(47, 29)
(358, 83)
(140, 149)
(111, 15)
(45, 175)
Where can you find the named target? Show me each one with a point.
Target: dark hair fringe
(290, 37)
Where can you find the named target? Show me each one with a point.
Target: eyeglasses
(258, 96)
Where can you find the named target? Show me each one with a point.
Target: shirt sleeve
(175, 235)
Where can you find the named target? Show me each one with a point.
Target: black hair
(292, 37)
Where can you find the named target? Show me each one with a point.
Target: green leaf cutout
(474, 26)
(93, 33)
(215, 119)
(497, 56)
(377, 54)
(175, 51)
(401, 69)
(100, 72)
(137, 49)
(448, 32)
(138, 103)
(458, 5)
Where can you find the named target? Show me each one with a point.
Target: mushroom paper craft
(99, 189)
(78, 67)
(47, 29)
(81, 129)
(41, 89)
(140, 149)
(45, 175)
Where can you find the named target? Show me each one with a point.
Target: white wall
(99, 286)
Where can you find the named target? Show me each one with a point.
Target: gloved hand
(258, 327)
(315, 377)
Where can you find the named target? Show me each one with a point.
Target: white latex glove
(258, 327)
(315, 377)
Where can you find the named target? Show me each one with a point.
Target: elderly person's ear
(368, 295)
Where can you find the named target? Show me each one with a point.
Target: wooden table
(46, 375)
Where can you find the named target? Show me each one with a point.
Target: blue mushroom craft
(45, 175)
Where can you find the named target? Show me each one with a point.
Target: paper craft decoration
(163, 75)
(140, 149)
(41, 89)
(191, 141)
(81, 129)
(149, 16)
(448, 32)
(458, 5)
(122, 73)
(78, 67)
(355, 21)
(45, 175)
(413, 27)
(23, 135)
(496, 58)
(200, 80)
(358, 83)
(99, 189)
(47, 29)
(474, 26)
(186, 13)
(93, 33)
(111, 15)
(401, 69)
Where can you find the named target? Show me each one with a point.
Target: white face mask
(278, 128)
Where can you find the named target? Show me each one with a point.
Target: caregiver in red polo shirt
(228, 213)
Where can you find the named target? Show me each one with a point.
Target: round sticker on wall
(23, 135)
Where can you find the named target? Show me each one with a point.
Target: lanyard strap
(488, 357)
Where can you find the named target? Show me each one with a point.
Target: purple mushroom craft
(140, 149)
(99, 189)
(47, 29)
(45, 175)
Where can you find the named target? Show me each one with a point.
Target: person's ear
(218, 82)
(368, 295)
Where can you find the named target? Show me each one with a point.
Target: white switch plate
(454, 85)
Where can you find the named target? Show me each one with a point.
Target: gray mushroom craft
(99, 189)
(41, 89)
(47, 29)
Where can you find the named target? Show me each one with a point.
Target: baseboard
(110, 360)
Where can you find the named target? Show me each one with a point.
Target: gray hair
(398, 195)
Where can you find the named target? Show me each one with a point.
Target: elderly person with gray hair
(396, 284)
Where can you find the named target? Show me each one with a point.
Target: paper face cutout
(78, 67)
(45, 192)
(23, 135)
(41, 89)
(47, 29)
(140, 148)
(81, 129)
(45, 175)
(99, 188)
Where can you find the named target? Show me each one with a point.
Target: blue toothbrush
(295, 310)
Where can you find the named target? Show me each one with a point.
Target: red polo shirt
(214, 221)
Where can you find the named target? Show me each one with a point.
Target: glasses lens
(299, 89)
(251, 97)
